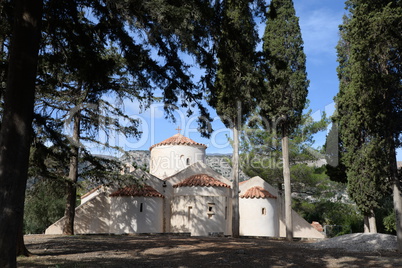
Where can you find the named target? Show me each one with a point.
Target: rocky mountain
(218, 162)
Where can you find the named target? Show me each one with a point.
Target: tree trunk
(398, 212)
(366, 224)
(235, 175)
(288, 191)
(69, 213)
(396, 189)
(372, 223)
(16, 127)
(21, 248)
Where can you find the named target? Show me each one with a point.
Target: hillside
(218, 162)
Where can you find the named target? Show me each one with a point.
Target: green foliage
(237, 78)
(366, 181)
(262, 156)
(284, 67)
(44, 204)
(385, 216)
(342, 218)
(390, 223)
(369, 100)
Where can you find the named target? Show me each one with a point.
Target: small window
(211, 209)
(226, 213)
(264, 211)
(189, 213)
(141, 207)
(188, 161)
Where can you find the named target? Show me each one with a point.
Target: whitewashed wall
(92, 217)
(167, 160)
(252, 220)
(192, 214)
(301, 228)
(126, 215)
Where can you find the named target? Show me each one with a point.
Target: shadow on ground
(174, 251)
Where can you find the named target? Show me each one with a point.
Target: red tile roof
(257, 192)
(201, 180)
(136, 190)
(177, 139)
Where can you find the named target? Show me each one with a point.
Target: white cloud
(320, 31)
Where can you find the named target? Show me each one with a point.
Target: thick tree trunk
(366, 224)
(288, 191)
(235, 175)
(372, 223)
(69, 212)
(16, 128)
(21, 248)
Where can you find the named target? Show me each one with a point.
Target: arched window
(188, 161)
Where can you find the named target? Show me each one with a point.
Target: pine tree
(369, 101)
(233, 93)
(261, 156)
(284, 96)
(73, 91)
(131, 26)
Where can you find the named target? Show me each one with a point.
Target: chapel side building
(181, 194)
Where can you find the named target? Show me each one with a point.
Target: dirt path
(176, 251)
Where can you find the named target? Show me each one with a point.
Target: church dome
(257, 192)
(178, 139)
(175, 154)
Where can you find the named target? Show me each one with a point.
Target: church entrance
(198, 215)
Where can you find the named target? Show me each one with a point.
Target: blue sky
(319, 21)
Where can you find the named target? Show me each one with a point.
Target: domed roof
(257, 192)
(201, 180)
(178, 139)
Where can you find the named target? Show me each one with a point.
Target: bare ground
(180, 251)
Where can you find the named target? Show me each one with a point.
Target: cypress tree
(285, 92)
(233, 94)
(369, 101)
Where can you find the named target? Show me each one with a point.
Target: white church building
(181, 194)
